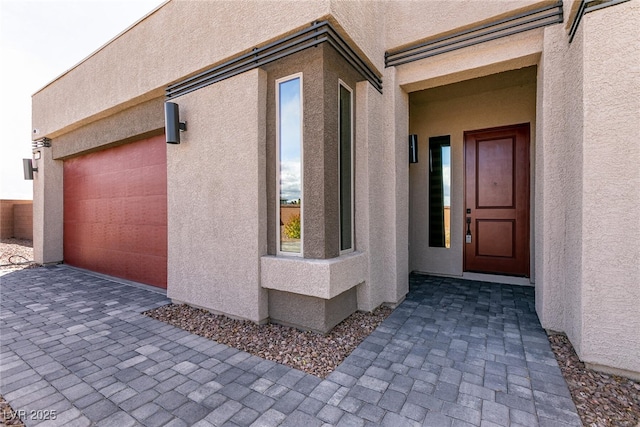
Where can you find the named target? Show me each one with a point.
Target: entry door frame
(519, 264)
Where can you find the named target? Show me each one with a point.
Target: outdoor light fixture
(172, 124)
(413, 148)
(28, 169)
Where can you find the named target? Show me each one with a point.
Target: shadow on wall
(16, 219)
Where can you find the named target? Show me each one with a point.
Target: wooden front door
(497, 200)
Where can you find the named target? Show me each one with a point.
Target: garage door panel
(156, 240)
(132, 210)
(139, 269)
(155, 210)
(111, 209)
(133, 161)
(115, 210)
(156, 157)
(71, 234)
(134, 183)
(112, 234)
(109, 184)
(157, 185)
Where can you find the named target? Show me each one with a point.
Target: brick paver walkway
(454, 353)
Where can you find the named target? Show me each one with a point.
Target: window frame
(342, 84)
(278, 82)
(438, 240)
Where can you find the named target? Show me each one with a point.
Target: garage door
(115, 211)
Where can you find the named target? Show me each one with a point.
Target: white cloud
(290, 180)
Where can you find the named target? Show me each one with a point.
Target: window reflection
(290, 164)
(346, 169)
(440, 192)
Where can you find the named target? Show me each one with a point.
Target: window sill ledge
(321, 278)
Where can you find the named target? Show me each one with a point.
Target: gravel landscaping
(8, 417)
(15, 254)
(602, 400)
(311, 352)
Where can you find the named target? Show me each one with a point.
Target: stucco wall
(132, 69)
(47, 208)
(393, 187)
(553, 174)
(310, 313)
(213, 251)
(611, 188)
(588, 274)
(501, 99)
(407, 22)
(141, 121)
(374, 27)
(363, 23)
(369, 203)
(517, 51)
(320, 278)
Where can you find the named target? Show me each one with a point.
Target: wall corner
(48, 208)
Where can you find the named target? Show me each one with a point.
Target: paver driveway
(454, 353)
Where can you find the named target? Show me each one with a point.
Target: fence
(16, 219)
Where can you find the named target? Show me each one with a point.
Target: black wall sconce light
(172, 124)
(28, 169)
(413, 148)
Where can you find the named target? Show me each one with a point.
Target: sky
(39, 41)
(290, 140)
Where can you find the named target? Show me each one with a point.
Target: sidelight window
(345, 162)
(289, 215)
(440, 192)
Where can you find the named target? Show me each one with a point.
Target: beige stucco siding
(363, 22)
(133, 70)
(138, 122)
(587, 197)
(407, 22)
(320, 278)
(217, 218)
(498, 100)
(518, 51)
(369, 203)
(554, 172)
(178, 39)
(48, 206)
(611, 188)
(393, 188)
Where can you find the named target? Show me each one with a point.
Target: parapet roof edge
(95, 52)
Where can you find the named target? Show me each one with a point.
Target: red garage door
(115, 211)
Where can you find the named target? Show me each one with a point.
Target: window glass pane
(440, 192)
(290, 146)
(446, 193)
(346, 208)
